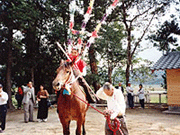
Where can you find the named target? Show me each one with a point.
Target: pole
(77, 68)
(63, 50)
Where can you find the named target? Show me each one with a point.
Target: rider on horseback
(80, 70)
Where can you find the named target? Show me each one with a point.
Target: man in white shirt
(3, 108)
(115, 106)
(130, 95)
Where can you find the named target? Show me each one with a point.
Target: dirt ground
(139, 122)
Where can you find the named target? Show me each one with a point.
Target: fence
(152, 97)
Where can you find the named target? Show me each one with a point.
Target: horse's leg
(79, 125)
(65, 125)
(83, 126)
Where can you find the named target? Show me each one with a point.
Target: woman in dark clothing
(42, 96)
(19, 97)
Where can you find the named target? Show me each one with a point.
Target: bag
(48, 103)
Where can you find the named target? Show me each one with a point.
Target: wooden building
(171, 64)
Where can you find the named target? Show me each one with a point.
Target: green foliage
(119, 75)
(109, 47)
(40, 23)
(164, 84)
(143, 72)
(163, 38)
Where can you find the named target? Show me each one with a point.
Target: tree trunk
(93, 65)
(32, 75)
(129, 58)
(110, 73)
(8, 70)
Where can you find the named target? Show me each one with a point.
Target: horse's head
(63, 74)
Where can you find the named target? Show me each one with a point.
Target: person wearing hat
(3, 108)
(80, 69)
(115, 107)
(130, 95)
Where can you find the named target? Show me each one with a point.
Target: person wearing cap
(130, 95)
(28, 102)
(3, 108)
(115, 107)
(79, 63)
(80, 70)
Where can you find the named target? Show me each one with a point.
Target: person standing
(120, 87)
(130, 95)
(3, 108)
(115, 107)
(141, 95)
(19, 97)
(28, 102)
(42, 96)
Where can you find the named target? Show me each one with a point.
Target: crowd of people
(25, 96)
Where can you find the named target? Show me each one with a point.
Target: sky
(152, 53)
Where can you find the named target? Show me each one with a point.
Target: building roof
(169, 61)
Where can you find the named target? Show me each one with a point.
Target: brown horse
(69, 107)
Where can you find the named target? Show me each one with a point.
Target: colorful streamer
(94, 34)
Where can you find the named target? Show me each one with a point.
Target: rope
(114, 128)
(116, 123)
(87, 103)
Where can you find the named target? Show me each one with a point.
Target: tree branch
(141, 14)
(139, 40)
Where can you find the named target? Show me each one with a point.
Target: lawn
(155, 99)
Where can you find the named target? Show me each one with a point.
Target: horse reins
(116, 124)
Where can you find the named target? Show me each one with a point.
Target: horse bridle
(70, 80)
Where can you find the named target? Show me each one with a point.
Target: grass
(155, 99)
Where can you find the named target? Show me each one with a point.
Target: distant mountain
(158, 80)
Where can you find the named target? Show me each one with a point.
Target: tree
(27, 55)
(7, 21)
(109, 46)
(164, 37)
(142, 73)
(97, 13)
(138, 15)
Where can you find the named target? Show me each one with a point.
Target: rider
(80, 69)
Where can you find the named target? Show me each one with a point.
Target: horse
(70, 107)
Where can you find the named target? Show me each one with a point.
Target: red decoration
(79, 41)
(89, 10)
(115, 2)
(71, 25)
(94, 34)
(74, 31)
(79, 63)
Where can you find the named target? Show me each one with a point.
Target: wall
(173, 86)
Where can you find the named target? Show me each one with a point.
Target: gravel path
(139, 122)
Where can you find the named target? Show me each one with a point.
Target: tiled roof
(169, 61)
